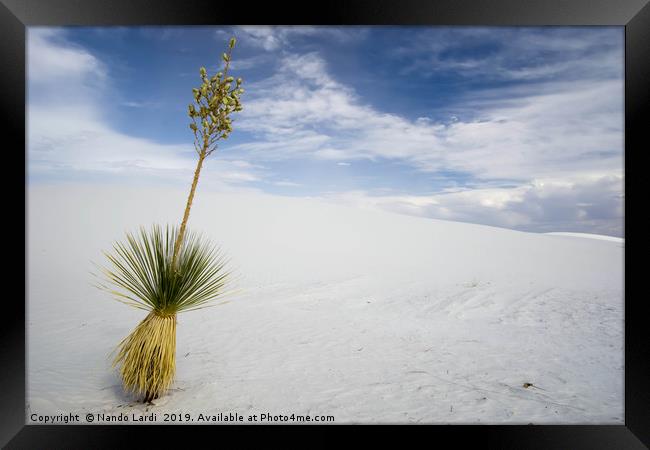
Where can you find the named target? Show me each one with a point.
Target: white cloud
(48, 59)
(271, 38)
(285, 183)
(264, 37)
(519, 133)
(514, 53)
(68, 133)
(136, 104)
(592, 204)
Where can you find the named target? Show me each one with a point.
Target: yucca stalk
(171, 271)
(214, 101)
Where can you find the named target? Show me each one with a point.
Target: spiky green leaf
(142, 275)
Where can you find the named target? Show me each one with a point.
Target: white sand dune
(367, 316)
(589, 236)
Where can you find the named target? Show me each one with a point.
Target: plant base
(148, 356)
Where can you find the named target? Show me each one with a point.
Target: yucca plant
(143, 272)
(170, 271)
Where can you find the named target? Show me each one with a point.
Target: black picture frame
(634, 15)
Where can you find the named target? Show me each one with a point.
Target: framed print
(366, 213)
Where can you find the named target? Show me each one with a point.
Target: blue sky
(513, 127)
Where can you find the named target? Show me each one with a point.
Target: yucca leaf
(142, 274)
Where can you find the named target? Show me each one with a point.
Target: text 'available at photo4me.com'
(181, 417)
